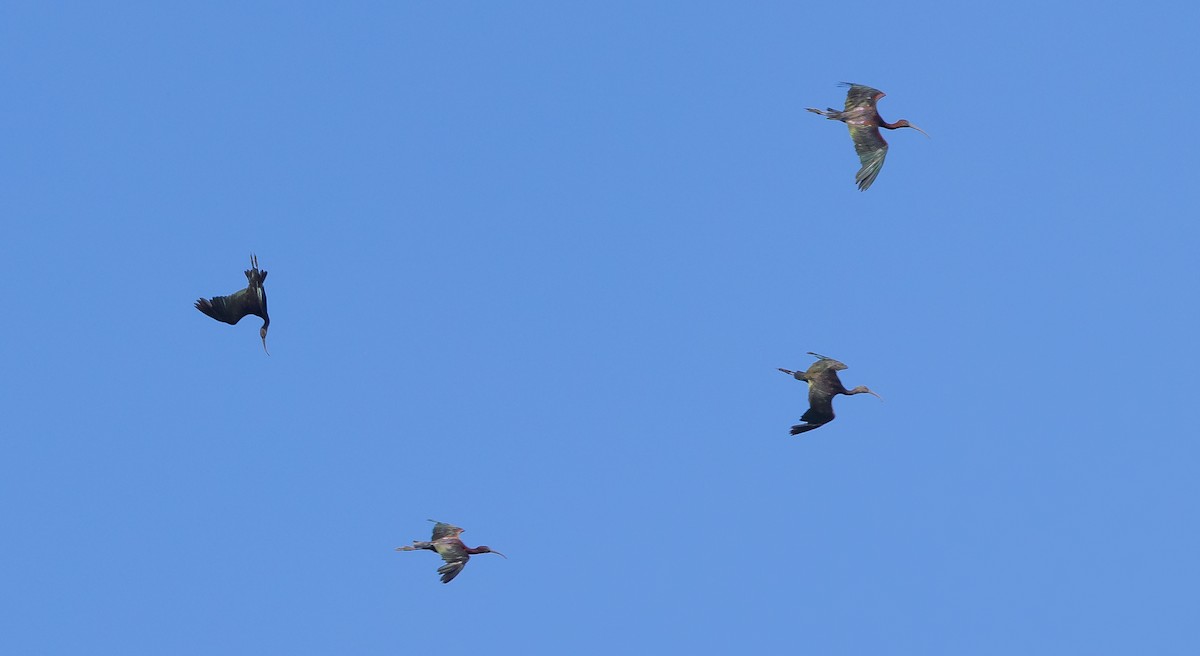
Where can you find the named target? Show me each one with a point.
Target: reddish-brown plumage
(864, 121)
(447, 544)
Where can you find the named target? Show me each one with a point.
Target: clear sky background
(532, 268)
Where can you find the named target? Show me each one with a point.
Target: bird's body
(251, 300)
(446, 543)
(864, 122)
(823, 385)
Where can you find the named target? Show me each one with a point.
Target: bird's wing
(820, 408)
(232, 308)
(444, 530)
(861, 96)
(456, 557)
(821, 366)
(871, 149)
(451, 569)
(821, 390)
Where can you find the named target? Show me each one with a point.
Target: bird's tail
(803, 428)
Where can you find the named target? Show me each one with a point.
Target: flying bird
(452, 550)
(823, 385)
(251, 300)
(864, 122)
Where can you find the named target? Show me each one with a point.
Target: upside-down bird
(452, 550)
(823, 385)
(864, 122)
(251, 300)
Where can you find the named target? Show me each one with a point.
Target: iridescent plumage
(864, 122)
(447, 544)
(823, 385)
(251, 300)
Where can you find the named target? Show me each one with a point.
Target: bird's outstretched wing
(453, 566)
(820, 399)
(454, 552)
(861, 96)
(444, 530)
(871, 149)
(822, 387)
(820, 406)
(232, 308)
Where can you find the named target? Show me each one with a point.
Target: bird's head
(487, 549)
(903, 123)
(262, 332)
(862, 389)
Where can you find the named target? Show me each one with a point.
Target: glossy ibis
(251, 300)
(823, 385)
(452, 550)
(864, 122)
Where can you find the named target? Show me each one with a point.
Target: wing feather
(861, 96)
(444, 530)
(872, 149)
(820, 406)
(230, 309)
(451, 569)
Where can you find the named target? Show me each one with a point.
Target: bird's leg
(417, 545)
(798, 375)
(829, 113)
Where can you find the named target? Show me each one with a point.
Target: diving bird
(864, 122)
(452, 550)
(251, 300)
(823, 385)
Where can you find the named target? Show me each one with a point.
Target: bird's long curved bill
(919, 130)
(500, 554)
(265, 346)
(875, 395)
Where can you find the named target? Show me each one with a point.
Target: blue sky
(532, 268)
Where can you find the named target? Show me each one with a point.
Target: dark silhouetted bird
(452, 550)
(864, 122)
(823, 385)
(251, 300)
